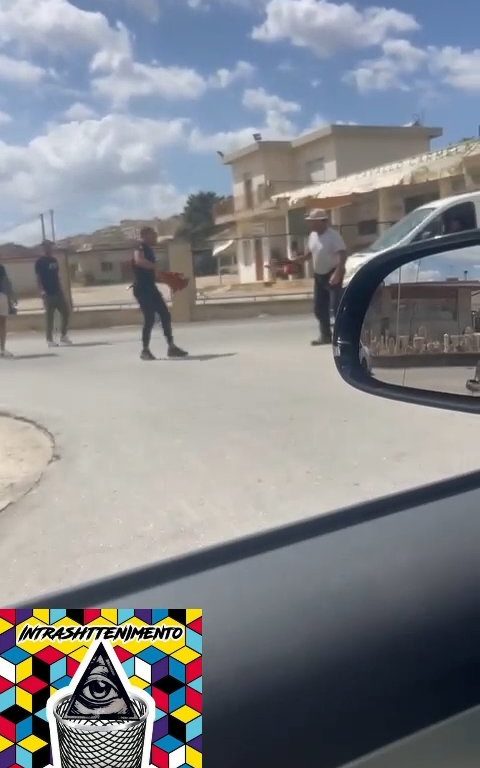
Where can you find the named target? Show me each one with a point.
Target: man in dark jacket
(7, 307)
(48, 280)
(150, 299)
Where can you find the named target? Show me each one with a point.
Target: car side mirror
(414, 314)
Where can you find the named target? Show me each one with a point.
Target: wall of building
(356, 153)
(107, 266)
(246, 260)
(280, 168)
(21, 272)
(266, 164)
(306, 153)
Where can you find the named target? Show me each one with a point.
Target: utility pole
(52, 225)
(42, 222)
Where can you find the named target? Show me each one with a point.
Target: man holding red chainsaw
(149, 298)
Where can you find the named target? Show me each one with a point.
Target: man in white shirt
(328, 253)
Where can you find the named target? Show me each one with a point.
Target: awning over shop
(221, 247)
(445, 163)
(329, 202)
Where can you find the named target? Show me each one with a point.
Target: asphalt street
(155, 459)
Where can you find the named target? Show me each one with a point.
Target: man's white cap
(318, 214)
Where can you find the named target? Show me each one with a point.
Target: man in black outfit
(149, 297)
(48, 279)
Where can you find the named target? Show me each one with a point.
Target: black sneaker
(147, 355)
(321, 342)
(473, 385)
(174, 351)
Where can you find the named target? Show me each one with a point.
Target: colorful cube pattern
(29, 676)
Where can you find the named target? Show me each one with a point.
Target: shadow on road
(34, 357)
(89, 344)
(197, 358)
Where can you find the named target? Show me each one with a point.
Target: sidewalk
(25, 452)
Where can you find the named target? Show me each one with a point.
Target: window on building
(316, 170)
(248, 193)
(247, 252)
(367, 227)
(106, 266)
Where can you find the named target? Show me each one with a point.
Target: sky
(116, 108)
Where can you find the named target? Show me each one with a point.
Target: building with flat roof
(265, 172)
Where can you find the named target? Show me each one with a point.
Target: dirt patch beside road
(25, 452)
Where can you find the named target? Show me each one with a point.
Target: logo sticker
(111, 688)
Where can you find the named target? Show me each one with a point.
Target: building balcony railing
(224, 208)
(260, 197)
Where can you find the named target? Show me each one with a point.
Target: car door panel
(332, 638)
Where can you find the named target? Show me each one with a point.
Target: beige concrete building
(102, 265)
(364, 204)
(266, 169)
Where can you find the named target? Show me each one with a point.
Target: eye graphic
(98, 689)
(100, 693)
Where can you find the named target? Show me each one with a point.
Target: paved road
(157, 459)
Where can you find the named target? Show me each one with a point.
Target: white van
(451, 214)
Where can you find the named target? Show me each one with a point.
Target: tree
(198, 217)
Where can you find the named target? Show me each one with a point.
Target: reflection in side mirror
(422, 328)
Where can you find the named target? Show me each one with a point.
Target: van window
(391, 237)
(458, 218)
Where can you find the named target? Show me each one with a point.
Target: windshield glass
(401, 229)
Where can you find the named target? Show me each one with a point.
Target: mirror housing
(348, 352)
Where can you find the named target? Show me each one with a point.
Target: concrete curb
(91, 319)
(33, 449)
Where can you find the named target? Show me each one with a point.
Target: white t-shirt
(324, 249)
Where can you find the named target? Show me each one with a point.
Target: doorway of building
(258, 260)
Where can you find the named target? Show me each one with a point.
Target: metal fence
(243, 268)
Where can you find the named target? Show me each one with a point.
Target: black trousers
(326, 300)
(152, 304)
(56, 303)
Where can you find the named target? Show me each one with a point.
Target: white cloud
(400, 60)
(458, 68)
(318, 121)
(148, 8)
(5, 118)
(79, 112)
(277, 124)
(223, 78)
(258, 98)
(286, 66)
(129, 79)
(142, 202)
(89, 164)
(23, 234)
(20, 71)
(327, 27)
(206, 5)
(388, 72)
(59, 27)
(223, 141)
